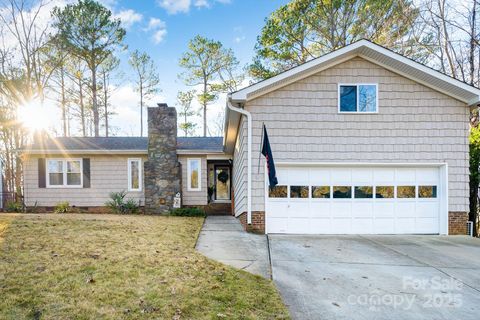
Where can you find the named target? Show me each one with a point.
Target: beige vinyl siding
(414, 124)
(239, 175)
(107, 174)
(194, 198)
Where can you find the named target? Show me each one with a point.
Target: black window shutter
(42, 178)
(86, 172)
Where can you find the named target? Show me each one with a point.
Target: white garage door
(340, 200)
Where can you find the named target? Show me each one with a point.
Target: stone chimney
(162, 169)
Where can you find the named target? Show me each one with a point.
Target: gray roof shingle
(124, 143)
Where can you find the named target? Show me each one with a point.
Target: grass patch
(121, 267)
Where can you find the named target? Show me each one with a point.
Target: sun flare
(35, 116)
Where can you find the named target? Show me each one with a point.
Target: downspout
(249, 156)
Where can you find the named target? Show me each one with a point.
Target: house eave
(374, 53)
(116, 152)
(199, 152)
(76, 152)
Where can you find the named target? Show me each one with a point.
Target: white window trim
(64, 169)
(189, 188)
(357, 85)
(140, 174)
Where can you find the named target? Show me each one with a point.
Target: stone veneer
(162, 170)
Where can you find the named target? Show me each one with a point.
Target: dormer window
(357, 98)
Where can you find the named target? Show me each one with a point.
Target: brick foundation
(258, 222)
(457, 223)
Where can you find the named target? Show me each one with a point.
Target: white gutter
(86, 151)
(249, 157)
(115, 152)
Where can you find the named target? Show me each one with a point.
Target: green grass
(78, 266)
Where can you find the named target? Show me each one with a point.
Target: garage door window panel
(384, 192)
(427, 191)
(342, 192)
(363, 192)
(404, 192)
(298, 191)
(321, 192)
(278, 192)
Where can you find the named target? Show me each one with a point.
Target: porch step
(218, 209)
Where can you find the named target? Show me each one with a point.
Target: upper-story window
(64, 173)
(357, 98)
(194, 172)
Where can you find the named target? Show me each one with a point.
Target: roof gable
(374, 53)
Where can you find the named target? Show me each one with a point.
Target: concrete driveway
(377, 277)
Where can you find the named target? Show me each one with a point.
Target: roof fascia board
(38, 151)
(197, 152)
(113, 152)
(422, 68)
(243, 95)
(300, 76)
(302, 72)
(474, 102)
(403, 74)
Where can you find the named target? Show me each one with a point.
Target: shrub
(62, 207)
(14, 206)
(188, 212)
(131, 206)
(118, 204)
(33, 209)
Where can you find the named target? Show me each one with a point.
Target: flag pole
(261, 144)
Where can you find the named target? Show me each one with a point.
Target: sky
(163, 28)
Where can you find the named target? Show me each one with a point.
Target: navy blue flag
(267, 152)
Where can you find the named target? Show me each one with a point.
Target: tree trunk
(82, 107)
(186, 128)
(64, 103)
(471, 57)
(204, 108)
(96, 116)
(18, 166)
(141, 109)
(446, 38)
(105, 98)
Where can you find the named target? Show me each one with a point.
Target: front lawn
(121, 267)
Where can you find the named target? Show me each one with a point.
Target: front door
(222, 183)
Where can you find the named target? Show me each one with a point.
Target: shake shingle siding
(240, 169)
(414, 124)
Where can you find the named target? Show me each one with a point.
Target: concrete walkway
(222, 238)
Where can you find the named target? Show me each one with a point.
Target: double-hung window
(194, 175)
(134, 174)
(357, 98)
(64, 173)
